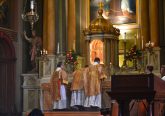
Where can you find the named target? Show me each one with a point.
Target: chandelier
(32, 15)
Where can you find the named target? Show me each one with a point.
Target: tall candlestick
(74, 45)
(124, 46)
(135, 39)
(142, 42)
(125, 37)
(58, 48)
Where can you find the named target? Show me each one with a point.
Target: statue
(36, 45)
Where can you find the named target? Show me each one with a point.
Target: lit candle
(41, 52)
(46, 52)
(152, 44)
(32, 5)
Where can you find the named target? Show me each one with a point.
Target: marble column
(71, 25)
(153, 13)
(49, 26)
(144, 20)
(85, 21)
(45, 43)
(61, 24)
(47, 64)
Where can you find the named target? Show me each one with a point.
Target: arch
(7, 75)
(8, 45)
(96, 50)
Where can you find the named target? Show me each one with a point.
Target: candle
(125, 37)
(135, 39)
(58, 48)
(142, 42)
(41, 52)
(46, 52)
(32, 5)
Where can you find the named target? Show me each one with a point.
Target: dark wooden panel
(7, 75)
(132, 83)
(72, 114)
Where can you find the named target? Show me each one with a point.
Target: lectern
(125, 88)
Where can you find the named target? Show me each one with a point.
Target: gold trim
(88, 13)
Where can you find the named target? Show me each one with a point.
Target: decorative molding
(31, 90)
(30, 80)
(10, 33)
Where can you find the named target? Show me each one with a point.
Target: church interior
(126, 35)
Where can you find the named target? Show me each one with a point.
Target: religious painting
(117, 11)
(4, 13)
(96, 50)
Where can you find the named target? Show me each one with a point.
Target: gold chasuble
(94, 76)
(58, 78)
(78, 80)
(47, 99)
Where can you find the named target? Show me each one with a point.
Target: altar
(37, 89)
(36, 86)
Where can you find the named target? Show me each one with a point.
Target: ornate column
(45, 43)
(85, 21)
(48, 38)
(153, 13)
(61, 25)
(71, 25)
(144, 19)
(49, 26)
(85, 13)
(47, 62)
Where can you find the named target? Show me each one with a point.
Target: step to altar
(72, 113)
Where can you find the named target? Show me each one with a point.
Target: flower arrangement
(71, 59)
(133, 54)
